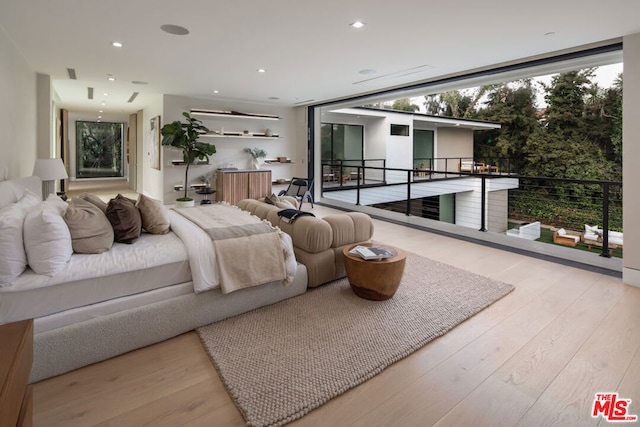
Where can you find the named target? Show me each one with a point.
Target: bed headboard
(11, 190)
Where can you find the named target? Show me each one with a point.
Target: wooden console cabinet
(233, 186)
(16, 358)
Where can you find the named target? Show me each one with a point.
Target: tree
(512, 105)
(404, 104)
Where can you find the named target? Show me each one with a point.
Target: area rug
(281, 361)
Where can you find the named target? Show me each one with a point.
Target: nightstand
(16, 358)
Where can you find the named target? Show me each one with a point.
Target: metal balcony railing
(486, 198)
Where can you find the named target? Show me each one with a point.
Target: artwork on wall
(154, 154)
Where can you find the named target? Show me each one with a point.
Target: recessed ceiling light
(216, 92)
(274, 98)
(103, 103)
(99, 117)
(357, 24)
(105, 94)
(101, 111)
(367, 71)
(116, 44)
(261, 70)
(111, 78)
(550, 33)
(176, 30)
(139, 82)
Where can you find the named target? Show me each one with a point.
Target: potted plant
(257, 154)
(184, 136)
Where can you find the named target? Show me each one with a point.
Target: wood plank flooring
(534, 358)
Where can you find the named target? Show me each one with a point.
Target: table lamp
(49, 170)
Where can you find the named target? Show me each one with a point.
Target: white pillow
(13, 260)
(591, 229)
(285, 204)
(562, 232)
(47, 239)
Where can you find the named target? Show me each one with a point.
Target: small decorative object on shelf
(257, 155)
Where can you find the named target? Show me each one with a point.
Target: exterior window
(99, 150)
(400, 130)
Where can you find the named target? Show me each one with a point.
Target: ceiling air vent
(132, 97)
(90, 93)
(72, 73)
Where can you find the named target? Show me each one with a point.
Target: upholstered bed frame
(61, 350)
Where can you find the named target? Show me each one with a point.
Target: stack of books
(371, 253)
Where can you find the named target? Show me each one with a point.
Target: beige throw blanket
(248, 250)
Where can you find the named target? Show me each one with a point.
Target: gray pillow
(154, 214)
(91, 231)
(95, 200)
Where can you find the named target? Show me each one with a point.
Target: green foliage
(404, 104)
(578, 135)
(184, 136)
(256, 153)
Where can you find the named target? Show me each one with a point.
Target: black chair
(300, 188)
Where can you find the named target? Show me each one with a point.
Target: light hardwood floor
(534, 358)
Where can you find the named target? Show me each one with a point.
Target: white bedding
(202, 255)
(152, 262)
(91, 285)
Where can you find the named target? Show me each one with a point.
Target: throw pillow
(562, 232)
(154, 215)
(285, 204)
(13, 259)
(125, 219)
(47, 240)
(91, 231)
(92, 198)
(272, 199)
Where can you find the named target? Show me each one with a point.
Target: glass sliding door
(342, 143)
(99, 151)
(423, 149)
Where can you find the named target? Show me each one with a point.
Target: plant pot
(185, 203)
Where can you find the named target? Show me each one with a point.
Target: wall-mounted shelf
(182, 163)
(199, 186)
(239, 135)
(276, 162)
(232, 114)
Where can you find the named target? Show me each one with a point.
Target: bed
(102, 305)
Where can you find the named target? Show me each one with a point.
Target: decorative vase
(257, 162)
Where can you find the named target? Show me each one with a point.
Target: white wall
(399, 148)
(631, 156)
(229, 151)
(452, 143)
(153, 179)
(17, 112)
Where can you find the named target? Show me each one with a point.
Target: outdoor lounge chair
(567, 238)
(300, 188)
(526, 231)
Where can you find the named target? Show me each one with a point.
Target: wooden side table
(374, 280)
(16, 358)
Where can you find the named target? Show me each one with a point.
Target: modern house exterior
(429, 145)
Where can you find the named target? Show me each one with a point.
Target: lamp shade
(50, 169)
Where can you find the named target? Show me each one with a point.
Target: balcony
(484, 204)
